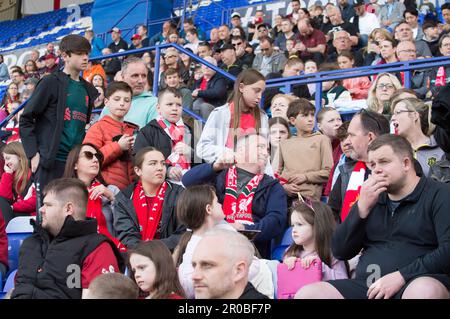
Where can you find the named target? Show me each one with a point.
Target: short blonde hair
(372, 101)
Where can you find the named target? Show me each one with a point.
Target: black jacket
(126, 223)
(413, 239)
(440, 115)
(250, 292)
(42, 121)
(121, 45)
(44, 264)
(216, 90)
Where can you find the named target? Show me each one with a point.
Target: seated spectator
(172, 60)
(441, 76)
(338, 24)
(117, 42)
(193, 40)
(262, 31)
(153, 270)
(84, 162)
(146, 209)
(112, 286)
(231, 258)
(371, 52)
(12, 127)
(387, 52)
(332, 91)
(403, 32)
(240, 116)
(310, 68)
(94, 68)
(286, 34)
(260, 198)
(189, 24)
(328, 122)
(114, 137)
(17, 190)
(230, 62)
(198, 208)
(204, 50)
(210, 91)
(431, 36)
(160, 37)
(279, 131)
(311, 42)
(245, 58)
(312, 229)
(66, 238)
(380, 93)
(364, 128)
(410, 118)
(172, 79)
(415, 264)
(31, 70)
(3, 248)
(30, 84)
(358, 87)
(224, 36)
(110, 65)
(445, 8)
(411, 16)
(364, 21)
(136, 43)
(169, 134)
(236, 20)
(50, 65)
(99, 104)
(342, 42)
(97, 80)
(391, 13)
(420, 79)
(305, 160)
(12, 95)
(4, 74)
(280, 105)
(268, 61)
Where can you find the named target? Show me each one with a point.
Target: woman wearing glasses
(85, 163)
(380, 93)
(411, 119)
(31, 70)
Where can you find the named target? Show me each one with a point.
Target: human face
(12, 161)
(207, 72)
(119, 104)
(346, 147)
(171, 57)
(142, 32)
(50, 48)
(76, 61)
(445, 47)
(144, 272)
(279, 107)
(173, 81)
(262, 32)
(153, 169)
(266, 48)
(204, 51)
(17, 78)
(446, 15)
(327, 85)
(359, 10)
(293, 70)
(49, 63)
(136, 42)
(385, 163)
(238, 44)
(53, 214)
(278, 133)
(252, 93)
(345, 63)
(411, 19)
(432, 33)
(286, 26)
(97, 80)
(406, 51)
(310, 67)
(302, 14)
(252, 150)
(86, 166)
(170, 107)
(295, 6)
(289, 45)
(304, 123)
(387, 50)
(358, 140)
(334, 14)
(236, 21)
(224, 33)
(214, 35)
(304, 29)
(228, 56)
(330, 123)
(385, 89)
(403, 119)
(173, 38)
(403, 32)
(215, 210)
(136, 77)
(29, 67)
(302, 232)
(341, 41)
(115, 36)
(12, 90)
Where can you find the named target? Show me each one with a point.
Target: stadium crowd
(195, 210)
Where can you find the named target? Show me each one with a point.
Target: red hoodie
(20, 204)
(3, 242)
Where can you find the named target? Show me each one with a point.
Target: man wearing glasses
(268, 61)
(244, 57)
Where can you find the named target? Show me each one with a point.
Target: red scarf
(353, 188)
(243, 203)
(148, 217)
(440, 77)
(94, 210)
(176, 133)
(247, 125)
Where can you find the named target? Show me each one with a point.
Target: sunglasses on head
(89, 155)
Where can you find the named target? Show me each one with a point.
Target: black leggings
(7, 211)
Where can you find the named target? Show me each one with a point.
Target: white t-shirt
(368, 23)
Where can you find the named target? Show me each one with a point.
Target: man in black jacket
(117, 42)
(401, 224)
(66, 253)
(55, 116)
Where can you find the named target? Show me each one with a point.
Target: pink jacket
(358, 87)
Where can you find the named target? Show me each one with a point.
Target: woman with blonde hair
(372, 51)
(411, 119)
(380, 93)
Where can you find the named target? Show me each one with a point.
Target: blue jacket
(269, 208)
(216, 90)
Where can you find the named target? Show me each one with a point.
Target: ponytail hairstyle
(191, 212)
(321, 219)
(21, 174)
(424, 111)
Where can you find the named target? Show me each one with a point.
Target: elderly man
(401, 224)
(342, 42)
(338, 24)
(311, 42)
(254, 201)
(403, 32)
(221, 264)
(143, 104)
(268, 61)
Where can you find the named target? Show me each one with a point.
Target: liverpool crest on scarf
(239, 208)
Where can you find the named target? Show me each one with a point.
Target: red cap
(136, 36)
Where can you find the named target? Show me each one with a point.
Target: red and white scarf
(176, 133)
(440, 77)
(94, 210)
(353, 188)
(239, 208)
(148, 217)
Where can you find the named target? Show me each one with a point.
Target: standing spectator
(66, 238)
(143, 104)
(4, 74)
(412, 18)
(311, 42)
(57, 112)
(365, 21)
(268, 61)
(117, 42)
(286, 34)
(96, 43)
(142, 30)
(403, 32)
(380, 93)
(391, 13)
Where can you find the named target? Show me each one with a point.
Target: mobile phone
(250, 233)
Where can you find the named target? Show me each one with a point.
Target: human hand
(182, 149)
(370, 191)
(387, 23)
(126, 142)
(307, 261)
(35, 162)
(226, 160)
(175, 173)
(300, 47)
(297, 179)
(386, 286)
(101, 191)
(291, 189)
(290, 262)
(195, 93)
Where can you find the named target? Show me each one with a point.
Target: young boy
(114, 137)
(54, 119)
(172, 79)
(305, 160)
(169, 134)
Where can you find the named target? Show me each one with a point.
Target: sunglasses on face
(89, 155)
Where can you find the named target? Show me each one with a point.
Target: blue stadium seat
(277, 252)
(17, 230)
(10, 282)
